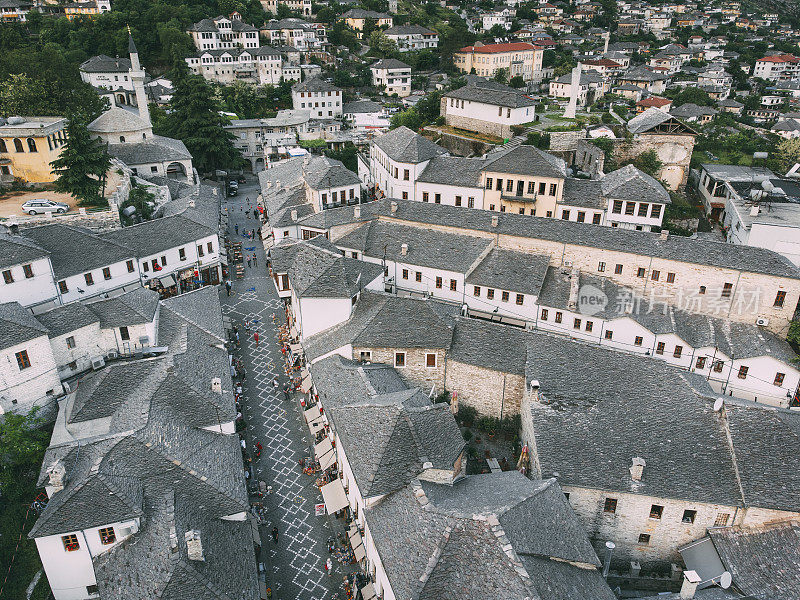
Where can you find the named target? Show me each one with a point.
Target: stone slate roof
(629, 183)
(453, 170)
(74, 250)
(763, 561)
(696, 251)
(290, 23)
(67, 318)
(117, 119)
(361, 13)
(425, 247)
(654, 117)
(132, 308)
(155, 149)
(409, 30)
(403, 145)
(362, 106)
(688, 110)
(315, 84)
(584, 193)
(157, 235)
(106, 64)
(18, 250)
(18, 325)
(468, 541)
(513, 271)
(209, 25)
(528, 160)
(490, 92)
(323, 173)
(389, 63)
(642, 73)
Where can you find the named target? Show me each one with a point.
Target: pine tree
(81, 168)
(195, 120)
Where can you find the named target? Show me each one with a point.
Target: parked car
(39, 206)
(233, 188)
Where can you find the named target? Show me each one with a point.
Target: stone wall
(478, 125)
(491, 393)
(98, 221)
(460, 145)
(415, 373)
(589, 158)
(674, 151)
(565, 141)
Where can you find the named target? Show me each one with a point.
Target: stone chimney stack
(394, 207)
(294, 214)
(357, 211)
(404, 249)
(57, 474)
(690, 582)
(194, 546)
(574, 289)
(754, 210)
(637, 468)
(495, 220)
(216, 385)
(664, 234)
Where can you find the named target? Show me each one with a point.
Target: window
(129, 264)
(642, 209)
(424, 196)
(644, 539)
(453, 285)
(654, 275)
(470, 202)
(700, 363)
(430, 360)
(640, 272)
(576, 324)
(499, 186)
(490, 294)
(743, 372)
(559, 316)
(726, 290)
(405, 273)
(542, 188)
(778, 379)
(23, 362)
(581, 216)
(509, 185)
(610, 505)
(678, 351)
(617, 208)
(88, 278)
(399, 359)
(458, 200)
(565, 215)
(439, 283)
(504, 296)
(107, 536)
(630, 207)
(73, 366)
(476, 290)
(688, 516)
(154, 169)
(596, 219)
(365, 355)
(106, 273)
(28, 270)
(780, 298)
(123, 333)
(8, 276)
(488, 185)
(200, 251)
(609, 335)
(655, 211)
(601, 267)
(405, 174)
(520, 299)
(637, 341)
(405, 195)
(718, 364)
(418, 277)
(618, 270)
(70, 542)
(531, 187)
(660, 348)
(31, 145)
(656, 511)
(721, 520)
(553, 189)
(62, 286)
(70, 342)
(18, 145)
(544, 314)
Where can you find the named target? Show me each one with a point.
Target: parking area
(11, 202)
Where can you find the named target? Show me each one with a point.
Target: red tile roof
(780, 58)
(603, 62)
(495, 48)
(656, 101)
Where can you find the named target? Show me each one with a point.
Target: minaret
(137, 77)
(606, 38)
(574, 91)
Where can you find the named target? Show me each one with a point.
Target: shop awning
(296, 349)
(167, 281)
(314, 419)
(357, 543)
(293, 331)
(305, 385)
(368, 592)
(334, 496)
(304, 372)
(325, 453)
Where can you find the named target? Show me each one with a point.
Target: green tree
(195, 120)
(694, 95)
(649, 163)
(409, 118)
(82, 166)
(501, 75)
(381, 44)
(22, 444)
(517, 81)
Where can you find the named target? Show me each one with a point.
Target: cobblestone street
(295, 565)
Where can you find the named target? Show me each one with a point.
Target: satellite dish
(725, 580)
(718, 404)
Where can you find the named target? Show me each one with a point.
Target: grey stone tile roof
(209, 25)
(453, 170)
(408, 30)
(389, 63)
(642, 73)
(118, 119)
(403, 145)
(131, 308)
(361, 106)
(106, 64)
(651, 118)
(587, 77)
(361, 13)
(322, 173)
(678, 248)
(289, 23)
(629, 183)
(688, 110)
(69, 317)
(584, 193)
(156, 149)
(493, 93)
(17, 250)
(426, 247)
(201, 309)
(18, 325)
(74, 250)
(528, 160)
(490, 346)
(158, 235)
(315, 84)
(763, 561)
(557, 580)
(509, 270)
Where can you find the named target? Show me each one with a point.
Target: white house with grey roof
(224, 32)
(27, 272)
(323, 99)
(487, 107)
(392, 76)
(635, 199)
(366, 115)
(451, 180)
(397, 158)
(412, 37)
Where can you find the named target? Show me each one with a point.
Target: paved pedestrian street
(295, 565)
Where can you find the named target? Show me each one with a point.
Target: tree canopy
(82, 165)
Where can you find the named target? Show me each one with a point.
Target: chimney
(194, 547)
(495, 220)
(190, 203)
(574, 288)
(214, 191)
(216, 385)
(637, 468)
(404, 249)
(294, 214)
(394, 207)
(57, 475)
(664, 234)
(754, 210)
(690, 582)
(357, 211)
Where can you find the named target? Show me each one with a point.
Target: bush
(607, 118)
(466, 415)
(443, 397)
(518, 129)
(467, 435)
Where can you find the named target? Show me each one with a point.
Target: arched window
(32, 145)
(3, 147)
(144, 136)
(122, 139)
(18, 145)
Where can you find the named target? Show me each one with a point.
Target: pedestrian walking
(236, 334)
(328, 566)
(228, 286)
(255, 337)
(255, 214)
(275, 384)
(287, 391)
(236, 227)
(255, 260)
(275, 534)
(248, 262)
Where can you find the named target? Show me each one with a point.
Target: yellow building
(27, 147)
(517, 58)
(89, 8)
(355, 18)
